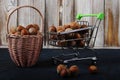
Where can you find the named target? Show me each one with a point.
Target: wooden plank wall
(60, 12)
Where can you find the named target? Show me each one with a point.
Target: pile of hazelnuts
(63, 40)
(31, 29)
(63, 71)
(73, 71)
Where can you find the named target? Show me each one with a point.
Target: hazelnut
(24, 32)
(36, 26)
(32, 31)
(52, 28)
(72, 43)
(17, 33)
(84, 31)
(74, 69)
(60, 67)
(29, 26)
(12, 30)
(77, 36)
(64, 73)
(19, 28)
(74, 25)
(93, 69)
(61, 43)
(53, 37)
(81, 43)
(66, 26)
(70, 35)
(60, 29)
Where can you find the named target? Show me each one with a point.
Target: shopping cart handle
(99, 16)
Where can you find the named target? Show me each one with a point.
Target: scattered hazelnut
(93, 69)
(74, 69)
(60, 67)
(64, 73)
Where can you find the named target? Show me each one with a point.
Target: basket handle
(42, 19)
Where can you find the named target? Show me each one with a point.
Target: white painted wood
(84, 7)
(24, 13)
(5, 7)
(51, 15)
(98, 6)
(68, 11)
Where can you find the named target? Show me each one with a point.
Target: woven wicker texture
(25, 49)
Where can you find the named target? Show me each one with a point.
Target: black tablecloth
(108, 64)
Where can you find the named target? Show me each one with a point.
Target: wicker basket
(25, 49)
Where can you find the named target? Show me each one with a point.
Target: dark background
(108, 64)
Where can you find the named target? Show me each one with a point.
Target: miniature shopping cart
(75, 50)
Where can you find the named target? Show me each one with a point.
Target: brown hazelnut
(36, 26)
(84, 31)
(52, 28)
(93, 69)
(77, 36)
(19, 28)
(64, 73)
(70, 35)
(81, 43)
(68, 29)
(74, 25)
(32, 31)
(24, 32)
(17, 33)
(60, 67)
(66, 26)
(53, 37)
(61, 43)
(72, 43)
(29, 26)
(74, 69)
(60, 29)
(12, 30)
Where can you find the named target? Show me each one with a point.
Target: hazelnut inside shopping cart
(65, 33)
(52, 28)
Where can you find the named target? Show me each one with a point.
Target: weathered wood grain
(51, 14)
(97, 7)
(5, 7)
(112, 22)
(68, 11)
(60, 12)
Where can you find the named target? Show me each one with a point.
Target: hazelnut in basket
(36, 26)
(74, 25)
(85, 31)
(12, 30)
(19, 28)
(60, 29)
(66, 26)
(32, 29)
(70, 35)
(24, 32)
(52, 28)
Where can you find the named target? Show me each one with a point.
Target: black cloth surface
(108, 64)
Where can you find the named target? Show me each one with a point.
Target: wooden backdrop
(60, 12)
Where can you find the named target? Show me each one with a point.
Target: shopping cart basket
(88, 32)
